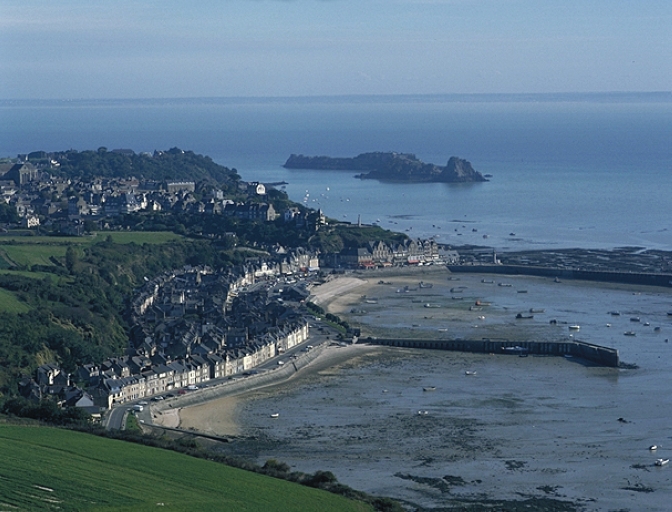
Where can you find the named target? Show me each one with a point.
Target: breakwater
(603, 356)
(649, 279)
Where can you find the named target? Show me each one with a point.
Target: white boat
(429, 388)
(574, 327)
(431, 305)
(469, 372)
(422, 413)
(653, 447)
(661, 462)
(275, 415)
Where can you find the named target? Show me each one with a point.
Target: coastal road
(115, 418)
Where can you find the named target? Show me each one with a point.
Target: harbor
(398, 417)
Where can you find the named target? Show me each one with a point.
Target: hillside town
(193, 324)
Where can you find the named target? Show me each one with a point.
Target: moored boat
(661, 462)
(574, 327)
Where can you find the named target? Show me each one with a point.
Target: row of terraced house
(234, 331)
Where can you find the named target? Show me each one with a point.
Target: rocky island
(391, 166)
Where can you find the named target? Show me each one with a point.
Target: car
(143, 403)
(157, 398)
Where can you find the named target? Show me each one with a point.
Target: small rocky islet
(391, 166)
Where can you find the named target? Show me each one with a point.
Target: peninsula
(391, 166)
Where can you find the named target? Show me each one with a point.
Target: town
(193, 324)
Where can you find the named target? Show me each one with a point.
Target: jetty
(640, 278)
(597, 354)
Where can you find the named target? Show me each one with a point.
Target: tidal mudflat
(413, 425)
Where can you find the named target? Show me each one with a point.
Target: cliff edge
(403, 167)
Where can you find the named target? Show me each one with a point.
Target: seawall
(602, 356)
(565, 273)
(239, 384)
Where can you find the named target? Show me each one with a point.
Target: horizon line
(397, 96)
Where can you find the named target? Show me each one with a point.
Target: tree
(72, 259)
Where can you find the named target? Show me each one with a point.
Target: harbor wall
(602, 356)
(562, 273)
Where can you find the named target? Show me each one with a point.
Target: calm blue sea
(567, 170)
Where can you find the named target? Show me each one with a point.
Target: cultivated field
(52, 469)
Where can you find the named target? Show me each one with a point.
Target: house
(50, 374)
(356, 257)
(22, 173)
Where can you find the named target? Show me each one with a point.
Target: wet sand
(220, 416)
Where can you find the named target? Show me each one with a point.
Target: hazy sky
(165, 48)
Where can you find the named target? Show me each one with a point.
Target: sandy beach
(219, 416)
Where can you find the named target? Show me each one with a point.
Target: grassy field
(52, 469)
(36, 250)
(33, 253)
(9, 303)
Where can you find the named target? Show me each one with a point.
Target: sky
(85, 49)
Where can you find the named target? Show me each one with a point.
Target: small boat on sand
(661, 462)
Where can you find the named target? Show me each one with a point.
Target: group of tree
(172, 165)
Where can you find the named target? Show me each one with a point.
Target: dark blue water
(567, 171)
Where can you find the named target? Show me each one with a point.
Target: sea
(565, 171)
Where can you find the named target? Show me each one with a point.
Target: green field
(10, 304)
(52, 469)
(138, 237)
(36, 250)
(28, 254)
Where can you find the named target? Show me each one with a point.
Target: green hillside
(52, 469)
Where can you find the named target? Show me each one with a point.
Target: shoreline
(213, 410)
(216, 415)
